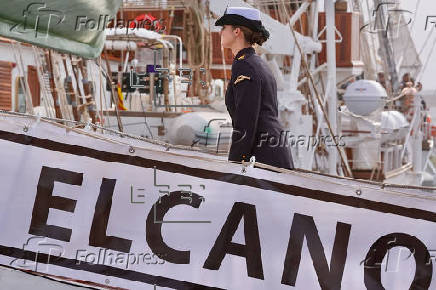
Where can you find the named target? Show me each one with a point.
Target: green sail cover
(69, 26)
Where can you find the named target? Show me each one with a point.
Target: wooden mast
(114, 99)
(90, 103)
(70, 90)
(53, 89)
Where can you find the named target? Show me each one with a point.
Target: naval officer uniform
(251, 100)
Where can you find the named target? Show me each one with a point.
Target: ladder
(44, 81)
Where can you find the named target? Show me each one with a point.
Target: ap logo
(385, 17)
(37, 251)
(38, 18)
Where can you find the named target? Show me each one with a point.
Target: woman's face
(228, 36)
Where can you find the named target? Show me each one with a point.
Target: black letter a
(224, 245)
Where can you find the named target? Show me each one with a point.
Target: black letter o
(375, 255)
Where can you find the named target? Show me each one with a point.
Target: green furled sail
(69, 26)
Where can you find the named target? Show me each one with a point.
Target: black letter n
(304, 226)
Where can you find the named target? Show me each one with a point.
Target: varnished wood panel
(5, 85)
(32, 80)
(347, 51)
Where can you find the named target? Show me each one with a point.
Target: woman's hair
(251, 36)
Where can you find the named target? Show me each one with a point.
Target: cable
(145, 117)
(313, 174)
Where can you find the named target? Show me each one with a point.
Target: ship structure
(347, 75)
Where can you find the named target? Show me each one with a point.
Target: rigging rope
(309, 74)
(387, 187)
(423, 68)
(194, 37)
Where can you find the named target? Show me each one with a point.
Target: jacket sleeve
(247, 98)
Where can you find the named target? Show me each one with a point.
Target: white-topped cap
(249, 13)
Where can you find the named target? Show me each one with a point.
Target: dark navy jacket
(251, 100)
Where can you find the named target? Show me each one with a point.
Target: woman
(251, 96)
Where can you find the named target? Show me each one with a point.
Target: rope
(302, 172)
(404, 51)
(194, 36)
(422, 49)
(121, 134)
(102, 92)
(22, 75)
(422, 69)
(59, 87)
(209, 50)
(306, 68)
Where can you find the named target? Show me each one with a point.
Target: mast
(70, 90)
(53, 88)
(89, 93)
(329, 6)
(113, 93)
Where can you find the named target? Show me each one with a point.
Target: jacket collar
(245, 51)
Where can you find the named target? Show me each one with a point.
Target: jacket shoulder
(245, 63)
(244, 68)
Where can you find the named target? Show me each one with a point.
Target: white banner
(116, 213)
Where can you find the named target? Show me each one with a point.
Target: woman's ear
(237, 31)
